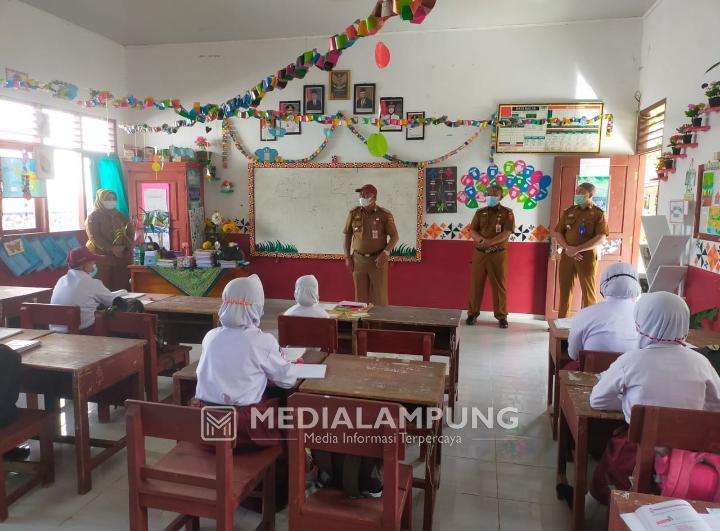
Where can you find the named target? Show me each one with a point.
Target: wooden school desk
(185, 380)
(78, 368)
(185, 319)
(443, 323)
(701, 338)
(575, 417)
(12, 297)
(557, 358)
(410, 383)
(622, 502)
(143, 279)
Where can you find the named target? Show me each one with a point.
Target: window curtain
(106, 173)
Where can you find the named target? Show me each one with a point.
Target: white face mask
(365, 202)
(110, 205)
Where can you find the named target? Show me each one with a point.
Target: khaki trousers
(371, 283)
(585, 270)
(493, 266)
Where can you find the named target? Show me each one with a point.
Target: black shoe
(471, 320)
(502, 323)
(565, 492)
(17, 454)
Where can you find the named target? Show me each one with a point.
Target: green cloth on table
(194, 282)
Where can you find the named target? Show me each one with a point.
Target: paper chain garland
(414, 11)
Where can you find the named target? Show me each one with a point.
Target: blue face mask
(93, 272)
(492, 201)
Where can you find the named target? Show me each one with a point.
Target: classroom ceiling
(138, 22)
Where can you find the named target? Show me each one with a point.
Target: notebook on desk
(308, 372)
(671, 515)
(21, 345)
(8, 332)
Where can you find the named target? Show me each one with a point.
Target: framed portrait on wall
(364, 98)
(391, 109)
(676, 212)
(314, 99)
(266, 135)
(340, 85)
(417, 132)
(291, 109)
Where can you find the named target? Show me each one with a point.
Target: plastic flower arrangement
(693, 111)
(202, 143)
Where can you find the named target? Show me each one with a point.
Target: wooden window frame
(645, 115)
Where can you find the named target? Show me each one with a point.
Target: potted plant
(687, 137)
(668, 163)
(712, 91)
(693, 112)
(203, 155)
(660, 165)
(675, 141)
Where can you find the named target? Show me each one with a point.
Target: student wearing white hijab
(608, 325)
(307, 296)
(238, 359)
(662, 372)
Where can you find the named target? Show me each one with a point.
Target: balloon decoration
(382, 55)
(520, 181)
(377, 144)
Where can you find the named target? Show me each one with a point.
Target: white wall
(464, 74)
(47, 48)
(677, 48)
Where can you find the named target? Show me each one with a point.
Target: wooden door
(625, 200)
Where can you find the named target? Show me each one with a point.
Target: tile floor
(494, 479)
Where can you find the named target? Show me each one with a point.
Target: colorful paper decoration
(519, 181)
(382, 55)
(377, 144)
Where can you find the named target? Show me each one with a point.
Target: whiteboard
(300, 212)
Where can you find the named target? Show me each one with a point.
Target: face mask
(93, 271)
(492, 201)
(580, 200)
(365, 202)
(110, 205)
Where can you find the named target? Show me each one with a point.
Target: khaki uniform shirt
(579, 225)
(370, 230)
(491, 221)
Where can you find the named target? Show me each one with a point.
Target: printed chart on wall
(568, 130)
(710, 203)
(441, 190)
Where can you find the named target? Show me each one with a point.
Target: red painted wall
(441, 279)
(702, 291)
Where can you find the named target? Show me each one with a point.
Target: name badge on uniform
(498, 228)
(375, 234)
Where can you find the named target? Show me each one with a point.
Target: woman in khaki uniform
(110, 235)
(582, 228)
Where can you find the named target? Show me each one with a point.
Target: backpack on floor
(689, 475)
(354, 474)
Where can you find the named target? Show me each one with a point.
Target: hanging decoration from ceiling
(382, 55)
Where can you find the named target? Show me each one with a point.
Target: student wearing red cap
(78, 287)
(370, 237)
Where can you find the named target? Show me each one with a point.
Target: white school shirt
(666, 375)
(307, 311)
(608, 325)
(236, 364)
(77, 288)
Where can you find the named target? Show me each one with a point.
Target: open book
(671, 515)
(21, 345)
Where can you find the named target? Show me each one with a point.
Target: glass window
(18, 122)
(61, 129)
(98, 135)
(65, 191)
(18, 214)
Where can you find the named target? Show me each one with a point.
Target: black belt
(491, 250)
(367, 255)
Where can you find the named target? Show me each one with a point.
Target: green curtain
(106, 172)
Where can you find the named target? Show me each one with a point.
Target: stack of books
(227, 264)
(166, 262)
(204, 259)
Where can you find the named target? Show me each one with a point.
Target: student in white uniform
(238, 359)
(608, 325)
(78, 288)
(662, 372)
(307, 296)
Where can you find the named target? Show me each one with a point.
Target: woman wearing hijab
(238, 359)
(110, 236)
(662, 372)
(608, 325)
(307, 296)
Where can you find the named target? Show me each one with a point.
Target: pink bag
(689, 475)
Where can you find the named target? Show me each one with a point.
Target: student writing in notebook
(662, 372)
(608, 325)
(307, 296)
(79, 287)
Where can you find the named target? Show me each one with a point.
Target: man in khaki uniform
(490, 229)
(582, 228)
(370, 237)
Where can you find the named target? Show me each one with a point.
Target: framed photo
(391, 109)
(417, 132)
(340, 85)
(265, 134)
(314, 99)
(364, 98)
(676, 213)
(15, 75)
(291, 108)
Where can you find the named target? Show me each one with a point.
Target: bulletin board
(299, 211)
(569, 136)
(707, 212)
